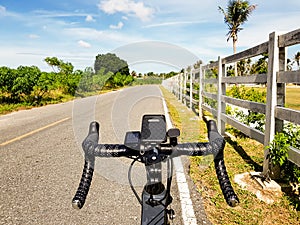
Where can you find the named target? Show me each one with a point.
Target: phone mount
(153, 133)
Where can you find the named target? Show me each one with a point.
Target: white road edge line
(188, 214)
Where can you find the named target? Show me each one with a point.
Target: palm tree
(297, 59)
(236, 14)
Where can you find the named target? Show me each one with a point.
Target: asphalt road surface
(41, 161)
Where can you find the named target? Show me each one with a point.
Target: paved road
(41, 161)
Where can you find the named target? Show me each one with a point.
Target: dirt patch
(247, 182)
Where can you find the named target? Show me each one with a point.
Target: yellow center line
(34, 131)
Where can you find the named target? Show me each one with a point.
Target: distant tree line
(247, 67)
(30, 85)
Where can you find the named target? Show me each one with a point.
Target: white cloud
(128, 7)
(33, 36)
(2, 10)
(7, 13)
(89, 18)
(84, 44)
(118, 26)
(174, 23)
(103, 40)
(57, 14)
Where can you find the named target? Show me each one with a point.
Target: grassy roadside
(54, 98)
(8, 108)
(242, 155)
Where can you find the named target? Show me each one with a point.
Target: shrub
(279, 148)
(253, 119)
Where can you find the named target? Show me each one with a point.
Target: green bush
(279, 148)
(253, 119)
(250, 94)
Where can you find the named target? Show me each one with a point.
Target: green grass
(53, 98)
(6, 108)
(147, 80)
(293, 98)
(242, 155)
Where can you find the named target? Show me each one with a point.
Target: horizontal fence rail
(200, 92)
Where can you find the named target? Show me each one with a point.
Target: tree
(86, 81)
(24, 83)
(261, 66)
(244, 67)
(133, 74)
(197, 64)
(59, 66)
(66, 79)
(119, 69)
(111, 63)
(53, 62)
(236, 14)
(100, 79)
(7, 77)
(44, 85)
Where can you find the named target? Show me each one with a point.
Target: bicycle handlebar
(215, 146)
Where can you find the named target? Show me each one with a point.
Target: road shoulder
(188, 133)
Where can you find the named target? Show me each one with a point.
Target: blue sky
(76, 30)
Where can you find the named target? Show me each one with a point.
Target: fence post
(191, 88)
(221, 91)
(200, 91)
(281, 87)
(273, 67)
(180, 87)
(177, 86)
(184, 87)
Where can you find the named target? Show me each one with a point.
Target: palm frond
(237, 13)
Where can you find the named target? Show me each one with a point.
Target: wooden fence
(186, 86)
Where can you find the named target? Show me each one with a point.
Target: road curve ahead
(41, 161)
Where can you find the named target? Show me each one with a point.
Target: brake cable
(169, 182)
(130, 181)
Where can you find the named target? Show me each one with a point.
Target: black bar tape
(84, 185)
(218, 145)
(228, 192)
(193, 149)
(88, 146)
(110, 150)
(114, 150)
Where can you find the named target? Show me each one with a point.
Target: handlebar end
(94, 127)
(76, 204)
(233, 202)
(212, 126)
